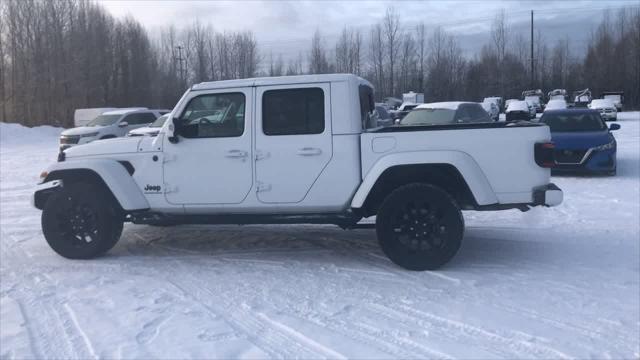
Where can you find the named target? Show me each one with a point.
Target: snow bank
(16, 134)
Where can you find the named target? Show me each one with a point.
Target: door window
(293, 111)
(213, 115)
(140, 118)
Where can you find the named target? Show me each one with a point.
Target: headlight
(89, 134)
(608, 146)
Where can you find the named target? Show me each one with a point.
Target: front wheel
(81, 222)
(419, 227)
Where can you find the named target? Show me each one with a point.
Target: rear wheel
(81, 222)
(419, 227)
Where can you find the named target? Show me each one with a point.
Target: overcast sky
(286, 27)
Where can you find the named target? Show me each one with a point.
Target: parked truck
(413, 97)
(296, 150)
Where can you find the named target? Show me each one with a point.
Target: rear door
(293, 140)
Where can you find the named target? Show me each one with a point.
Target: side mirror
(614, 127)
(174, 130)
(123, 124)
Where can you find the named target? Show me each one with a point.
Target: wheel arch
(114, 177)
(454, 172)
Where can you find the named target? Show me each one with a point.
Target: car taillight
(544, 154)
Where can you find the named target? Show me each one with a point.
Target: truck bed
(497, 159)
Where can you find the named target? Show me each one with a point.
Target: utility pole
(532, 73)
(181, 62)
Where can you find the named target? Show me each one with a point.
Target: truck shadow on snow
(311, 245)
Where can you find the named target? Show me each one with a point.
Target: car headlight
(89, 134)
(608, 146)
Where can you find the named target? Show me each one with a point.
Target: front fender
(463, 162)
(114, 175)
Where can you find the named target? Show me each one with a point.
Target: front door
(212, 161)
(293, 140)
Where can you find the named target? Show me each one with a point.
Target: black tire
(419, 227)
(81, 222)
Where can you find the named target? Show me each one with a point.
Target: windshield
(602, 103)
(532, 99)
(556, 104)
(159, 121)
(574, 122)
(429, 117)
(382, 112)
(104, 120)
(614, 98)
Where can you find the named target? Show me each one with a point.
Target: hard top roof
(279, 80)
(572, 111)
(451, 105)
(124, 111)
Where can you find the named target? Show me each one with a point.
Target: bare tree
(276, 67)
(421, 53)
(376, 55)
(391, 27)
(318, 63)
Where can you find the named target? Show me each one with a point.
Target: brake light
(544, 154)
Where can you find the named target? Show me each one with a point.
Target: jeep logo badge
(152, 188)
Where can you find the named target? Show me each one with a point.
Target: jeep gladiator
(293, 150)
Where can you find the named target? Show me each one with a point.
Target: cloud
(286, 26)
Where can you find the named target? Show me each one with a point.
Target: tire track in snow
(151, 330)
(79, 333)
(521, 347)
(275, 342)
(296, 334)
(593, 334)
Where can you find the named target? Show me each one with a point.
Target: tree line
(56, 56)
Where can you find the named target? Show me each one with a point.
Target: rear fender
(114, 175)
(463, 162)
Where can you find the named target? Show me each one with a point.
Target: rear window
(429, 117)
(367, 106)
(574, 122)
(293, 111)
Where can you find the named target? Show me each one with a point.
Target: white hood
(82, 130)
(105, 147)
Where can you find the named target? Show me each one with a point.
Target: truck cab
(296, 149)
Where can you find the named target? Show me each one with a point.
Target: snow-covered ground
(549, 283)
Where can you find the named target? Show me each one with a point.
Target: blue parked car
(583, 142)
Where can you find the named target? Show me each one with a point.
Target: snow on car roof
(124, 111)
(518, 105)
(450, 105)
(606, 102)
(556, 101)
(280, 80)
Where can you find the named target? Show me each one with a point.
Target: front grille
(69, 139)
(569, 156)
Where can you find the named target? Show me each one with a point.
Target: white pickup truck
(296, 150)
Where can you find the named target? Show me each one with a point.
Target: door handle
(309, 151)
(236, 154)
